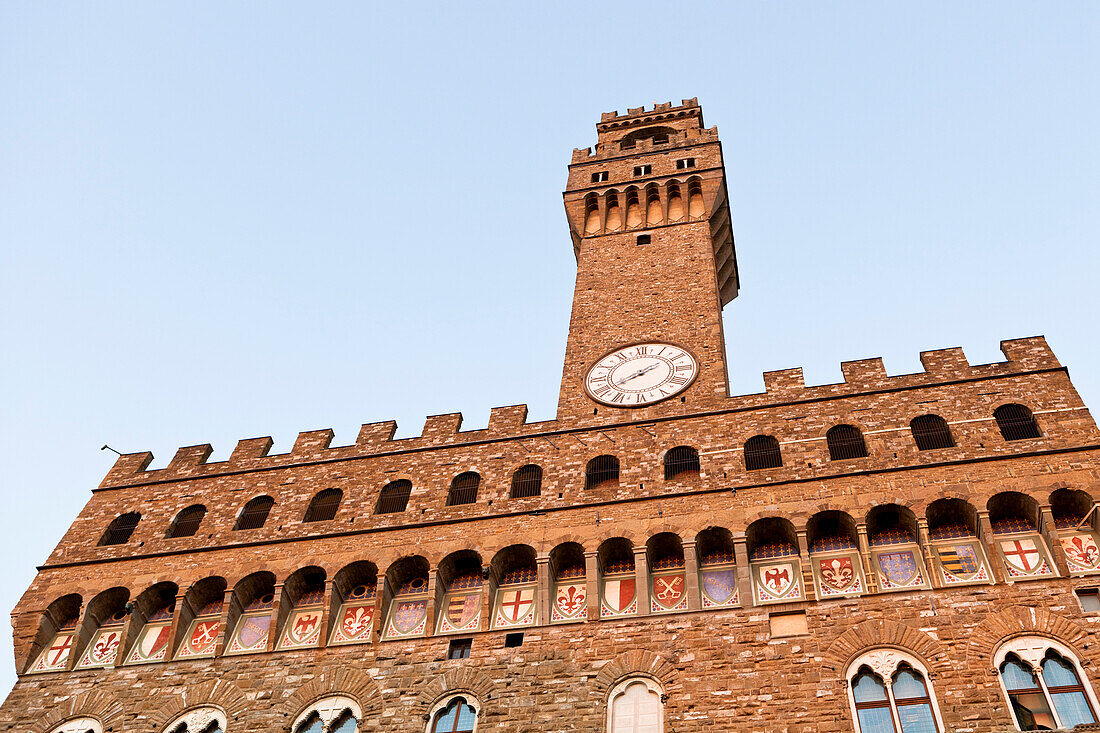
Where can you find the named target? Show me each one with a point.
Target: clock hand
(638, 373)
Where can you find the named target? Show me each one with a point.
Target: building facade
(891, 553)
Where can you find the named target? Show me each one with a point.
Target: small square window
(685, 163)
(788, 624)
(513, 640)
(599, 177)
(460, 648)
(643, 239)
(1089, 598)
(660, 139)
(642, 170)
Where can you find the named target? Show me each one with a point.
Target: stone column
(992, 548)
(592, 584)
(174, 630)
(924, 542)
(1050, 533)
(326, 613)
(865, 555)
(745, 596)
(691, 576)
(429, 623)
(809, 587)
(542, 592)
(276, 622)
(641, 580)
(223, 622)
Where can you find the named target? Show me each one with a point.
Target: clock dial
(639, 375)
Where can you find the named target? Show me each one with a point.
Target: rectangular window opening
(513, 640)
(643, 239)
(599, 177)
(1089, 598)
(685, 163)
(642, 170)
(460, 648)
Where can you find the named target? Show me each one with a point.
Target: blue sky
(227, 220)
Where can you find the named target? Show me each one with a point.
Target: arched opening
(953, 534)
(250, 614)
(675, 202)
(931, 432)
(834, 545)
(570, 593)
(1071, 507)
(634, 216)
(682, 463)
(464, 489)
(526, 482)
(151, 624)
(892, 530)
(300, 609)
(254, 514)
(457, 716)
(354, 590)
(614, 220)
(591, 214)
(1016, 422)
(696, 208)
(1011, 512)
(618, 592)
(634, 706)
(602, 472)
(951, 519)
(324, 506)
(773, 554)
(201, 619)
(187, 522)
(762, 451)
(515, 573)
(101, 632)
(667, 576)
(717, 569)
(405, 595)
(394, 497)
(56, 631)
(120, 529)
(845, 441)
(460, 577)
(654, 211)
(658, 135)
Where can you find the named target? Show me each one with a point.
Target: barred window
(324, 506)
(464, 489)
(120, 529)
(254, 514)
(845, 441)
(394, 497)
(187, 522)
(681, 462)
(762, 451)
(601, 472)
(1016, 422)
(931, 432)
(526, 481)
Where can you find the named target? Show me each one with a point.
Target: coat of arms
(251, 634)
(719, 587)
(618, 597)
(1081, 552)
(570, 602)
(961, 563)
(461, 611)
(408, 617)
(517, 606)
(303, 628)
(152, 645)
(899, 569)
(668, 592)
(838, 575)
(779, 581)
(1023, 557)
(355, 624)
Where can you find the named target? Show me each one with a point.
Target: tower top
(640, 129)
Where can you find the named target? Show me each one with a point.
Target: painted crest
(152, 645)
(719, 587)
(101, 649)
(1024, 558)
(778, 582)
(668, 593)
(570, 602)
(56, 655)
(619, 598)
(355, 624)
(407, 618)
(461, 612)
(202, 639)
(516, 607)
(1081, 552)
(251, 634)
(961, 563)
(839, 575)
(899, 569)
(303, 629)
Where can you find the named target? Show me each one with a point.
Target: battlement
(785, 386)
(641, 115)
(690, 136)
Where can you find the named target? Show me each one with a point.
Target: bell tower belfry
(650, 221)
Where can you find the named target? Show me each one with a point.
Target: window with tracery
(890, 693)
(457, 715)
(1044, 684)
(78, 725)
(204, 719)
(635, 706)
(336, 714)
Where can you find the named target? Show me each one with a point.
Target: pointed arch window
(394, 497)
(324, 506)
(254, 515)
(762, 451)
(337, 714)
(203, 719)
(120, 529)
(457, 715)
(1016, 422)
(635, 706)
(1044, 684)
(890, 693)
(187, 522)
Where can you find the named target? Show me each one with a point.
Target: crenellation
(507, 420)
(312, 443)
(374, 434)
(1031, 352)
(946, 362)
(189, 457)
(250, 449)
(784, 382)
(441, 428)
(864, 372)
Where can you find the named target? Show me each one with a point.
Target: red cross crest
(1024, 552)
(62, 648)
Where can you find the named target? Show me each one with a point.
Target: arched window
(634, 706)
(602, 472)
(1043, 682)
(255, 513)
(762, 451)
(120, 529)
(1016, 422)
(890, 693)
(203, 719)
(526, 481)
(394, 497)
(324, 506)
(187, 522)
(681, 462)
(931, 432)
(845, 441)
(464, 489)
(78, 725)
(457, 715)
(337, 714)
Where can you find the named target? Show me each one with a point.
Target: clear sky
(228, 220)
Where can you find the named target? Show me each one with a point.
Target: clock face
(639, 375)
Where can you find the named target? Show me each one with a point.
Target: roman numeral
(618, 398)
(601, 391)
(679, 380)
(683, 367)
